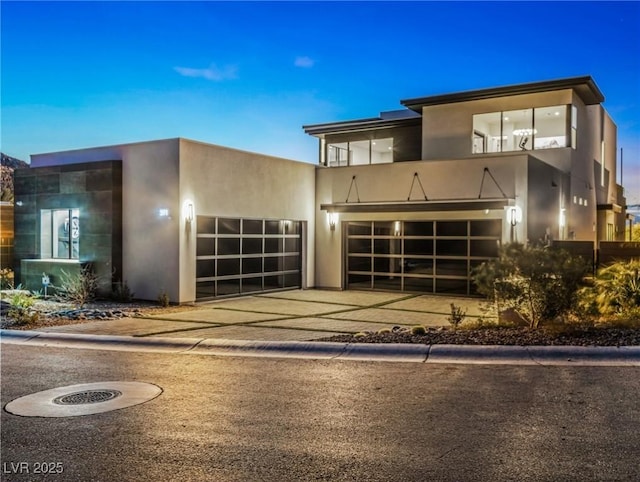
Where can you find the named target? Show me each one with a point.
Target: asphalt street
(268, 419)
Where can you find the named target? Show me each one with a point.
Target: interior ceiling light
(524, 132)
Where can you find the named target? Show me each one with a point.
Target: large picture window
(524, 129)
(355, 153)
(60, 233)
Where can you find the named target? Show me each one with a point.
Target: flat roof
(360, 125)
(584, 86)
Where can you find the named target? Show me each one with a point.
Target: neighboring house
(410, 201)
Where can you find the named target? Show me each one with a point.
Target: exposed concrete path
(287, 316)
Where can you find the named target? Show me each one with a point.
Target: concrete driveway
(300, 315)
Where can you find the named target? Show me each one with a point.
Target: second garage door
(418, 256)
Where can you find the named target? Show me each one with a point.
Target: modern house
(411, 200)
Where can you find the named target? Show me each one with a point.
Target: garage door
(242, 256)
(418, 256)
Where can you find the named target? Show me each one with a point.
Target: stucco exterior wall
(150, 248)
(446, 129)
(221, 181)
(548, 194)
(451, 179)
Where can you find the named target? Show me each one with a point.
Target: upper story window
(60, 233)
(524, 130)
(355, 153)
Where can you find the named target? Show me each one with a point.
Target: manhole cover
(87, 396)
(85, 399)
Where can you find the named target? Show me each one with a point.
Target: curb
(389, 352)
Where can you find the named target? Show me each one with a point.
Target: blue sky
(249, 75)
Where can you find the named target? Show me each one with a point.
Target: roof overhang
(616, 208)
(319, 130)
(585, 87)
(415, 206)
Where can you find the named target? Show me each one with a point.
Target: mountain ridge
(8, 164)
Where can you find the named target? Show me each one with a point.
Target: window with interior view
(355, 153)
(60, 233)
(524, 129)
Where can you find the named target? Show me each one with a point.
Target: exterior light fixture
(514, 215)
(188, 211)
(333, 220)
(562, 219)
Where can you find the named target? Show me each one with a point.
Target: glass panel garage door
(242, 256)
(420, 256)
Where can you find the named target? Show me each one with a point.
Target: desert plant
(163, 299)
(121, 292)
(78, 288)
(21, 311)
(457, 315)
(539, 283)
(615, 291)
(418, 330)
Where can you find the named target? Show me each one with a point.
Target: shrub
(163, 299)
(418, 330)
(121, 292)
(615, 291)
(539, 283)
(456, 316)
(79, 288)
(21, 309)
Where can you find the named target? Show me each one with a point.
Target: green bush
(615, 291)
(418, 330)
(539, 283)
(21, 309)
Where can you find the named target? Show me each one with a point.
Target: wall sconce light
(188, 211)
(514, 215)
(333, 220)
(562, 219)
(163, 213)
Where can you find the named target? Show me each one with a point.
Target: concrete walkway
(286, 325)
(301, 315)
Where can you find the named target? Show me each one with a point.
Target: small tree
(539, 283)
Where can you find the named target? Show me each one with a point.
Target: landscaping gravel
(577, 336)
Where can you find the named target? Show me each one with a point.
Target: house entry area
(243, 256)
(418, 256)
